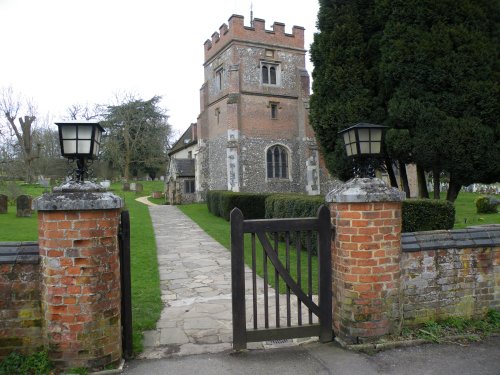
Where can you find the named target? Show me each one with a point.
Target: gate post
(78, 241)
(365, 259)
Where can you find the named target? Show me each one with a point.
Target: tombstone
(132, 186)
(4, 200)
(138, 188)
(105, 184)
(126, 186)
(23, 203)
(157, 194)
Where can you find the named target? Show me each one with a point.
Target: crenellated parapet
(257, 33)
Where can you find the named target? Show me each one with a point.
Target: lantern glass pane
(84, 146)
(85, 132)
(364, 147)
(376, 135)
(376, 147)
(364, 135)
(348, 149)
(69, 146)
(354, 149)
(68, 132)
(98, 134)
(346, 138)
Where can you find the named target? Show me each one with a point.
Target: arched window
(265, 76)
(272, 74)
(277, 162)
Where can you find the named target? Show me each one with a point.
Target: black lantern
(362, 143)
(80, 141)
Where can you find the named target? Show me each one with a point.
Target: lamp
(362, 142)
(80, 141)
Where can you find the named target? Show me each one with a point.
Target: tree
(439, 60)
(10, 106)
(428, 68)
(345, 90)
(137, 135)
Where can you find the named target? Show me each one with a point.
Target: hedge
(221, 203)
(417, 214)
(427, 214)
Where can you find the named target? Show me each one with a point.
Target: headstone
(126, 186)
(157, 194)
(23, 203)
(138, 188)
(105, 184)
(132, 186)
(4, 200)
(162, 178)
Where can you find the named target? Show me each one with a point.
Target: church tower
(253, 128)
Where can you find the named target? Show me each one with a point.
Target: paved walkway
(195, 277)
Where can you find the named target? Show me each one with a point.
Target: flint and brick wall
(20, 307)
(450, 273)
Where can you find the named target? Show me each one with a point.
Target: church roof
(187, 139)
(184, 167)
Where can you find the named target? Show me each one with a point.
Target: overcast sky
(63, 52)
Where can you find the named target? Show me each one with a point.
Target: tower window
(218, 79)
(277, 162)
(270, 73)
(274, 110)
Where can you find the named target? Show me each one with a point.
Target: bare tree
(84, 112)
(11, 105)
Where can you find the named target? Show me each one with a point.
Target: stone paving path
(195, 277)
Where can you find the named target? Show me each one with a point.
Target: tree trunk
(453, 190)
(437, 182)
(404, 178)
(390, 172)
(422, 184)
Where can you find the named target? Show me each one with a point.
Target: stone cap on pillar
(73, 196)
(361, 190)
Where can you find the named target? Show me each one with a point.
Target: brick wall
(20, 308)
(365, 256)
(450, 273)
(81, 294)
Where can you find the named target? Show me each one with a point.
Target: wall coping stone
(363, 190)
(73, 196)
(19, 253)
(471, 237)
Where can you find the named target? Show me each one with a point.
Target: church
(253, 132)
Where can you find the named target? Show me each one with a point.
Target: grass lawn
(220, 229)
(146, 294)
(466, 215)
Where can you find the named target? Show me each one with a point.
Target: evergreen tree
(428, 68)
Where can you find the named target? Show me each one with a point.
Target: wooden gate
(294, 232)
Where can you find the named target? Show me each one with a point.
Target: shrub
(37, 363)
(213, 199)
(487, 205)
(295, 205)
(426, 214)
(221, 203)
(252, 205)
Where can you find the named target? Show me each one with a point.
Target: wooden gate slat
(262, 229)
(286, 276)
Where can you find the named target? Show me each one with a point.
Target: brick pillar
(78, 226)
(365, 259)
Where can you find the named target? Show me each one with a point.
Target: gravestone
(138, 188)
(23, 203)
(126, 186)
(3, 203)
(132, 186)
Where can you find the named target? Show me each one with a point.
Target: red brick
(350, 215)
(361, 254)
(361, 239)
(371, 215)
